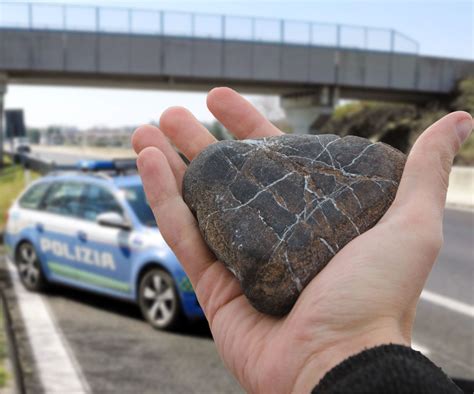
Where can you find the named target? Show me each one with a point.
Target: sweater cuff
(389, 369)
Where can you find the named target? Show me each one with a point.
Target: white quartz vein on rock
(303, 215)
(259, 192)
(358, 156)
(294, 276)
(327, 245)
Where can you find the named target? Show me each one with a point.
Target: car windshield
(135, 196)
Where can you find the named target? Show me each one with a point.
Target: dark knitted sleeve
(388, 369)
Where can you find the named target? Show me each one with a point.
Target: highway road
(68, 155)
(445, 331)
(116, 351)
(58, 158)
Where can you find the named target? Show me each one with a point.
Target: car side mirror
(113, 219)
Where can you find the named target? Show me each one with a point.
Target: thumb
(425, 178)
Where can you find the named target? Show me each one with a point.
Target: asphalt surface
(449, 335)
(118, 352)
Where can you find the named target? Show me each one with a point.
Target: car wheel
(29, 268)
(159, 300)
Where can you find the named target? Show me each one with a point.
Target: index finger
(239, 116)
(185, 131)
(175, 221)
(148, 135)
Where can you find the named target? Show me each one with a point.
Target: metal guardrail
(69, 17)
(38, 165)
(42, 166)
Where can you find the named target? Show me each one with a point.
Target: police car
(95, 230)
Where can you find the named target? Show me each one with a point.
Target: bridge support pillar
(307, 111)
(3, 90)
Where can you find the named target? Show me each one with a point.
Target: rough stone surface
(276, 210)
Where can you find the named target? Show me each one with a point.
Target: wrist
(324, 360)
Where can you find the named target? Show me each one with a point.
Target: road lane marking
(57, 367)
(449, 303)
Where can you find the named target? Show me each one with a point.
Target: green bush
(373, 120)
(464, 100)
(400, 124)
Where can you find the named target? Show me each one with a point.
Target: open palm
(367, 294)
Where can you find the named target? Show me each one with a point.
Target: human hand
(367, 294)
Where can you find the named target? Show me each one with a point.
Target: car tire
(159, 300)
(29, 268)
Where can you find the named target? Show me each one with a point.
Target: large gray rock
(276, 210)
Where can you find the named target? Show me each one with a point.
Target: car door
(24, 218)
(58, 231)
(106, 249)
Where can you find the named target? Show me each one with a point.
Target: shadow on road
(197, 328)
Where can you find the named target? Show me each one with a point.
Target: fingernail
(464, 128)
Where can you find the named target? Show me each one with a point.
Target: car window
(97, 200)
(136, 198)
(34, 195)
(64, 199)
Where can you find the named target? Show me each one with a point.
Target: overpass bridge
(310, 65)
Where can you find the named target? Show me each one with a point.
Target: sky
(442, 28)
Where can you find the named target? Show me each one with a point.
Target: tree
(400, 124)
(465, 96)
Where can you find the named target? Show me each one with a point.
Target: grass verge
(4, 376)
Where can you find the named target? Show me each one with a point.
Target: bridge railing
(70, 17)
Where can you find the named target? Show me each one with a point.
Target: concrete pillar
(306, 109)
(3, 90)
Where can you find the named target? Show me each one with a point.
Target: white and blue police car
(94, 230)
